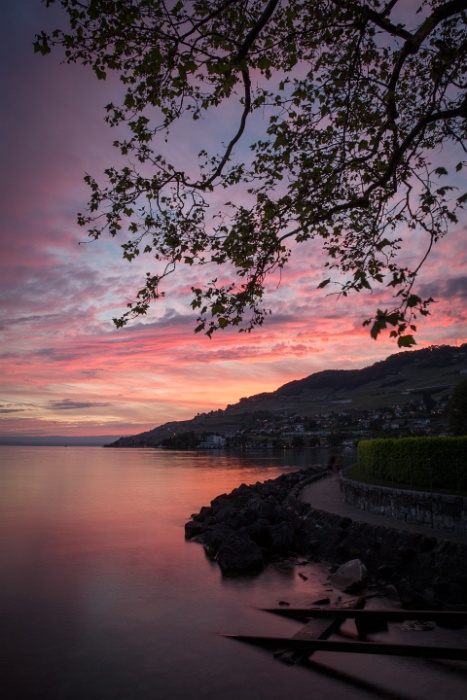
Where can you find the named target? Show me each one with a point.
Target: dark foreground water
(102, 598)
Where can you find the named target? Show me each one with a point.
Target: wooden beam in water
(355, 647)
(449, 617)
(318, 629)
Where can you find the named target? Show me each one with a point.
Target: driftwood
(324, 622)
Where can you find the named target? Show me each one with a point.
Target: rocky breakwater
(265, 522)
(254, 525)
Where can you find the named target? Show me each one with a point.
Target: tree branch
(381, 21)
(246, 108)
(255, 30)
(208, 18)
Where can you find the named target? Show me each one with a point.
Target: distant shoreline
(56, 441)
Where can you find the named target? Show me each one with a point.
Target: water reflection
(101, 597)
(100, 594)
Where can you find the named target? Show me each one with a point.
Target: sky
(64, 368)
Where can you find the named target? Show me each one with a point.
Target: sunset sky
(64, 369)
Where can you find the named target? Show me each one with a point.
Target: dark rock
(440, 585)
(273, 522)
(218, 502)
(214, 537)
(350, 577)
(343, 552)
(204, 513)
(407, 554)
(365, 626)
(385, 572)
(345, 523)
(342, 534)
(260, 532)
(282, 538)
(410, 598)
(240, 556)
(392, 595)
(193, 528)
(428, 544)
(313, 545)
(210, 522)
(267, 509)
(302, 508)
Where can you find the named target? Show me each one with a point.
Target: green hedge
(425, 462)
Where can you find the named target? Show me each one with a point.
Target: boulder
(260, 532)
(283, 538)
(217, 536)
(193, 528)
(238, 556)
(350, 577)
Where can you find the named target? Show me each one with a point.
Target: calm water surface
(101, 597)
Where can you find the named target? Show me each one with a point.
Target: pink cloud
(63, 366)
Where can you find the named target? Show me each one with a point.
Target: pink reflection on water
(101, 597)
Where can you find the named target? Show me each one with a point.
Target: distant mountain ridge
(392, 381)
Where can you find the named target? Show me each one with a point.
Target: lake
(102, 597)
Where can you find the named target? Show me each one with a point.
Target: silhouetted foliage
(353, 118)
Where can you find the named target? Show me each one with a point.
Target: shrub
(427, 462)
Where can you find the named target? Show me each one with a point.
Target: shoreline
(267, 522)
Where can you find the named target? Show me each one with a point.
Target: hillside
(394, 381)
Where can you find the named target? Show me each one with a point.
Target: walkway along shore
(325, 494)
(303, 514)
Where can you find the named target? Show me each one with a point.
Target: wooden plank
(314, 629)
(354, 647)
(318, 629)
(447, 616)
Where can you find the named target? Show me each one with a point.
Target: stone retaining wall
(426, 571)
(439, 511)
